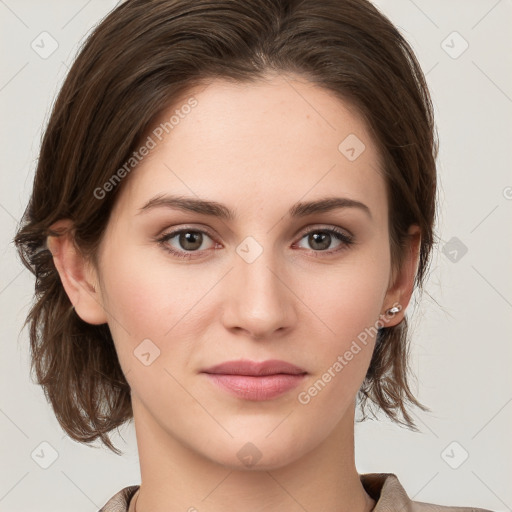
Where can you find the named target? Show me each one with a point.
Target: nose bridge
(260, 301)
(256, 267)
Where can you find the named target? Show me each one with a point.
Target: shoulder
(120, 501)
(418, 506)
(388, 492)
(384, 488)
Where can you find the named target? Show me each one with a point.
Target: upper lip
(247, 367)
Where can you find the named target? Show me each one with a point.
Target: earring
(394, 309)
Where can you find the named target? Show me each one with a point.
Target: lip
(255, 368)
(251, 380)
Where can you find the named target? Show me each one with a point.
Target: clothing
(384, 488)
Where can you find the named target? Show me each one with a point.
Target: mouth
(256, 381)
(255, 368)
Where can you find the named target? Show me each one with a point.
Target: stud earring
(394, 310)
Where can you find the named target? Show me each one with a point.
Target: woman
(233, 204)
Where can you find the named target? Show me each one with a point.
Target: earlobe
(76, 274)
(400, 291)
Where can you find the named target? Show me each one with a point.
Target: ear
(77, 275)
(401, 283)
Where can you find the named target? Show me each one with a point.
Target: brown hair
(135, 64)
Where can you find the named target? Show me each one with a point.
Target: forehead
(258, 146)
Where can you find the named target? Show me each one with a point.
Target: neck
(175, 478)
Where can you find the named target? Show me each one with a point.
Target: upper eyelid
(174, 231)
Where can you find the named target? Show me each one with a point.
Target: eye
(321, 238)
(187, 241)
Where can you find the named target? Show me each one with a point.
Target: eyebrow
(215, 209)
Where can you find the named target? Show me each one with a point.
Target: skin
(257, 148)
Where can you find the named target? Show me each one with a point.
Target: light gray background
(462, 348)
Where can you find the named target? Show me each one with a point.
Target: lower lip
(249, 387)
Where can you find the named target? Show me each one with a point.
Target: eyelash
(347, 240)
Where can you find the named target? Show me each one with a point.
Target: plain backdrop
(461, 338)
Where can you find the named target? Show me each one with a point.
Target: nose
(258, 298)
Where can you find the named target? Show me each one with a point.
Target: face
(186, 290)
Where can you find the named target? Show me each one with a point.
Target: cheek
(145, 295)
(136, 297)
(159, 301)
(351, 298)
(349, 306)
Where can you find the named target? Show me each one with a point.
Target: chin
(258, 455)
